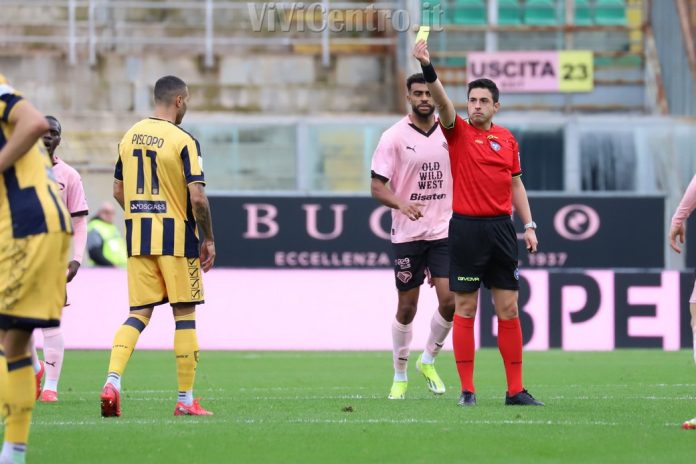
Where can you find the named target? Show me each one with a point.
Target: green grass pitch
(319, 407)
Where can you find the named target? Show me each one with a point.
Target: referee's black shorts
(482, 249)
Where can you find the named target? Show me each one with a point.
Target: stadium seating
(541, 13)
(610, 12)
(583, 13)
(529, 12)
(509, 12)
(470, 12)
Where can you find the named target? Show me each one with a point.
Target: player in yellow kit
(34, 242)
(159, 182)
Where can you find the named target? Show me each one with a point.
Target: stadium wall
(281, 84)
(595, 310)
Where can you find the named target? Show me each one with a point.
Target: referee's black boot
(523, 398)
(467, 398)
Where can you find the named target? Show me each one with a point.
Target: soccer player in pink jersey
(411, 174)
(677, 231)
(73, 195)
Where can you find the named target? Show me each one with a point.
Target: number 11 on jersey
(140, 183)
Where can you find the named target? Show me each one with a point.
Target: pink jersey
(687, 204)
(71, 190)
(417, 166)
(73, 195)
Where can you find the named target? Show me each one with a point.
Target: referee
(482, 242)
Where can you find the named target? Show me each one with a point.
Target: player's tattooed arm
(201, 209)
(201, 212)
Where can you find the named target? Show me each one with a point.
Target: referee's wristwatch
(530, 225)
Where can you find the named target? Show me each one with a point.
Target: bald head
(106, 212)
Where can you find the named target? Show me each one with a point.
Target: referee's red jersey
(483, 164)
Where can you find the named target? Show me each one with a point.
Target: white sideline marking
(211, 421)
(214, 395)
(344, 388)
(622, 397)
(381, 397)
(617, 385)
(272, 398)
(127, 391)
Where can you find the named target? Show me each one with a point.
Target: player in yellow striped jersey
(159, 182)
(34, 243)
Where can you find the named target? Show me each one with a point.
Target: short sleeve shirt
(417, 166)
(71, 189)
(483, 165)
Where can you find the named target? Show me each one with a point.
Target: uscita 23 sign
(564, 71)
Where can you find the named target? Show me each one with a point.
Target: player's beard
(424, 115)
(180, 115)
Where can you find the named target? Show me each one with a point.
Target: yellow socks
(186, 350)
(19, 399)
(124, 342)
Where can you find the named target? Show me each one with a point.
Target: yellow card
(423, 33)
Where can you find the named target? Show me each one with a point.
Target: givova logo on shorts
(468, 279)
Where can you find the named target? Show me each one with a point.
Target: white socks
(401, 338)
(186, 397)
(402, 334)
(439, 329)
(114, 379)
(13, 453)
(34, 356)
(53, 356)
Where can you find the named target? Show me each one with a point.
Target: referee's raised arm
(445, 107)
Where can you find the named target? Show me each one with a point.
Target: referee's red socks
(464, 350)
(510, 346)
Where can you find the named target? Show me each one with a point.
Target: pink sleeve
(686, 206)
(384, 158)
(79, 224)
(75, 198)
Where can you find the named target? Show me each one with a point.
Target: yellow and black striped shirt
(156, 162)
(30, 201)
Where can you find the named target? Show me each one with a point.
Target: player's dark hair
(53, 118)
(167, 88)
(485, 84)
(414, 79)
